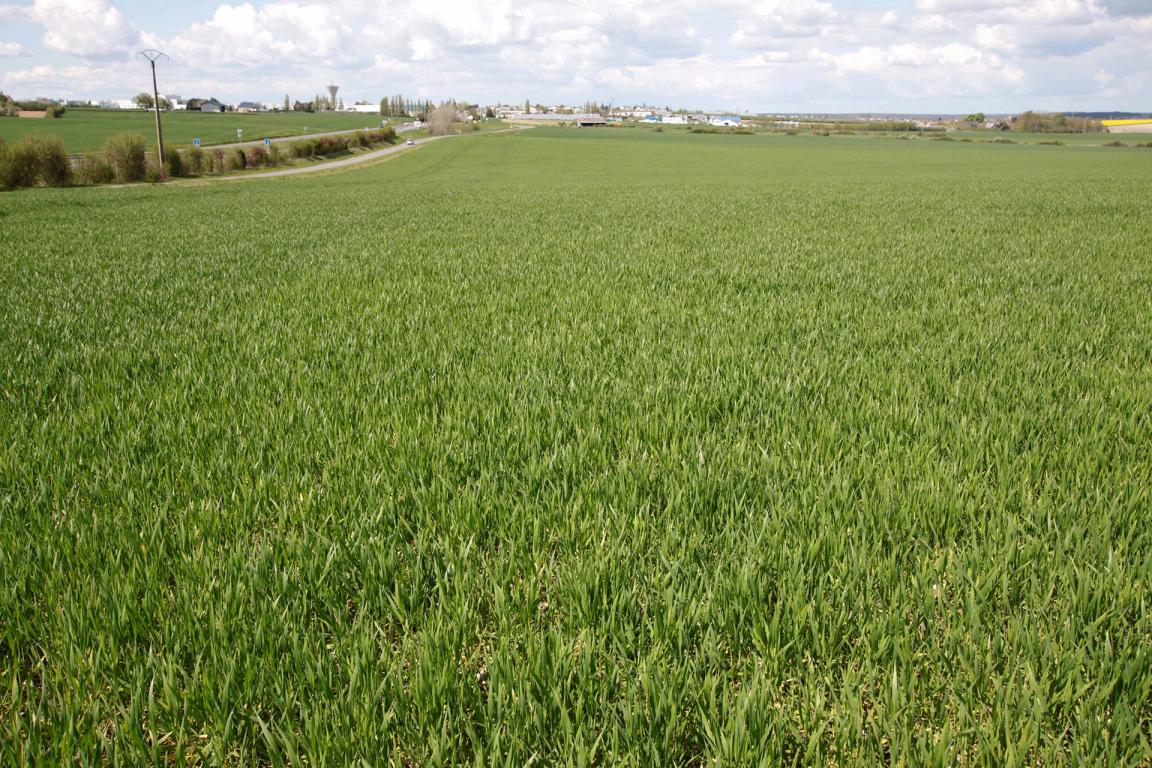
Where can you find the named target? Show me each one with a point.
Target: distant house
(726, 121)
(364, 109)
(248, 106)
(212, 106)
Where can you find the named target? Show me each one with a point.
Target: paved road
(357, 159)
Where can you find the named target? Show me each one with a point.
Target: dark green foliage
(194, 161)
(34, 159)
(1054, 122)
(174, 164)
(125, 155)
(303, 149)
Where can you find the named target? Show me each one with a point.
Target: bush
(3, 164)
(274, 155)
(194, 161)
(124, 153)
(237, 161)
(218, 162)
(1115, 143)
(94, 169)
(56, 110)
(35, 159)
(19, 168)
(1052, 143)
(173, 164)
(331, 145)
(152, 175)
(256, 157)
(303, 149)
(51, 159)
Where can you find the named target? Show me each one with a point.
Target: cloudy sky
(753, 55)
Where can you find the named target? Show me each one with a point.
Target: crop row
(832, 456)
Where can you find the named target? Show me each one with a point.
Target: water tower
(332, 89)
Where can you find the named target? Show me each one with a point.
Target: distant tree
(440, 119)
(165, 104)
(489, 112)
(341, 104)
(1054, 122)
(975, 117)
(143, 100)
(8, 107)
(527, 106)
(287, 104)
(384, 107)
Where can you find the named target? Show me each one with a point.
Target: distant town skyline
(910, 56)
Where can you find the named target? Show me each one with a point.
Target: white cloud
(85, 28)
(773, 20)
(12, 50)
(810, 55)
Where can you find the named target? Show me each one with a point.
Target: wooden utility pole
(152, 56)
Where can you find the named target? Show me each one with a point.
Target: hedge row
(200, 162)
(42, 160)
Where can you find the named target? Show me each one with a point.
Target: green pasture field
(86, 130)
(580, 447)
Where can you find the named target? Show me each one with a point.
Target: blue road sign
(267, 142)
(195, 142)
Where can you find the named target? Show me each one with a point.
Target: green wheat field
(584, 448)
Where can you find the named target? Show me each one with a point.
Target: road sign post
(239, 134)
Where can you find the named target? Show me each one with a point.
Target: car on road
(409, 142)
